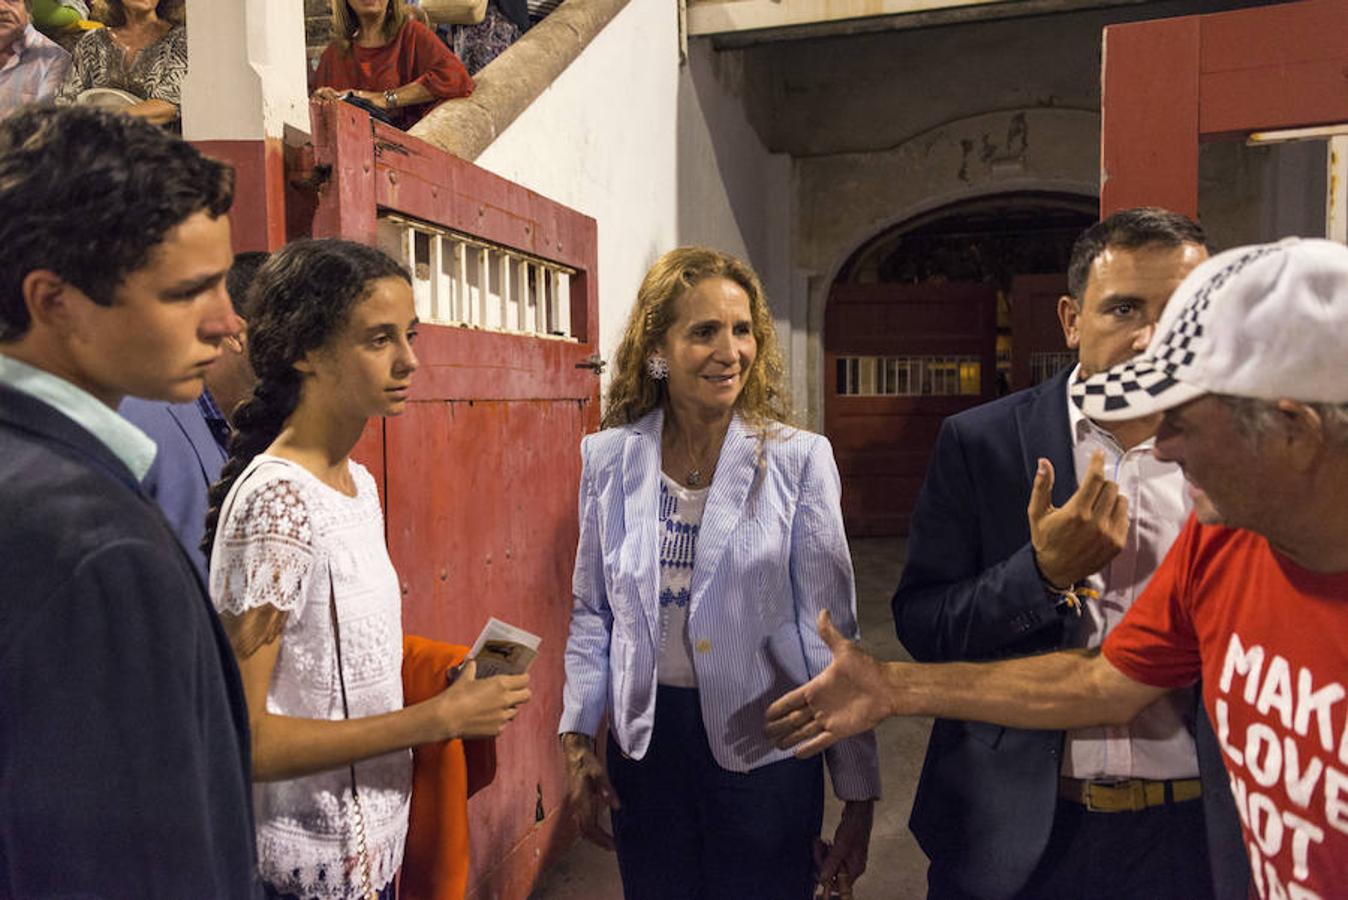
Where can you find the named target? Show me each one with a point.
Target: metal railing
(1044, 366)
(908, 376)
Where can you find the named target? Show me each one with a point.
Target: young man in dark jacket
(124, 762)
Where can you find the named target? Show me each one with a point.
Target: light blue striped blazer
(770, 554)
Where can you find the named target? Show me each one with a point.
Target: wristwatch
(391, 98)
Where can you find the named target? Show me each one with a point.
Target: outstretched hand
(1080, 537)
(851, 696)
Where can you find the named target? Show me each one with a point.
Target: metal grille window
(909, 376)
(462, 280)
(1044, 366)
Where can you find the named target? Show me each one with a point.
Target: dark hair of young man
(1129, 229)
(89, 194)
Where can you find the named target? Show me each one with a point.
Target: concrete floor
(897, 869)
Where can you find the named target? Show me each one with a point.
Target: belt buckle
(1136, 799)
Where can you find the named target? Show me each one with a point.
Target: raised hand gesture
(1080, 537)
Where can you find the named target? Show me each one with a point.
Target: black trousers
(691, 830)
(1153, 854)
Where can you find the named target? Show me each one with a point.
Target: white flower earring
(657, 367)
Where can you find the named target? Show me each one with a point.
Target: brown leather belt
(1129, 795)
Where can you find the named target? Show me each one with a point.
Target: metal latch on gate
(594, 363)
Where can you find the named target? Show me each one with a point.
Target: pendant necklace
(694, 477)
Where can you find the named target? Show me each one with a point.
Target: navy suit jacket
(124, 747)
(971, 591)
(189, 460)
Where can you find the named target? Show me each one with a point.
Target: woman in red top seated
(388, 59)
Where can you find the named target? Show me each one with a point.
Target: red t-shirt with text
(1270, 641)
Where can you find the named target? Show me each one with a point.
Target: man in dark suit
(1034, 531)
(124, 747)
(193, 437)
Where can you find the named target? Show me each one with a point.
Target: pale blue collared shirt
(127, 442)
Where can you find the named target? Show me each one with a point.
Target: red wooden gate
(1171, 83)
(898, 359)
(479, 476)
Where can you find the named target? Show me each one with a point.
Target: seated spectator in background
(478, 31)
(390, 61)
(58, 15)
(417, 13)
(142, 53)
(31, 66)
(193, 437)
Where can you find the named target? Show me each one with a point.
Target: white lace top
(284, 533)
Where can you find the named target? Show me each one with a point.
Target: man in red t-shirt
(1247, 367)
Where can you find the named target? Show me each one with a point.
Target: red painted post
(258, 217)
(1149, 116)
(341, 137)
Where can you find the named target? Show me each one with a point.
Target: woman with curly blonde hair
(710, 538)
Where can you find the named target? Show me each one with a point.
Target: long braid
(257, 422)
(298, 300)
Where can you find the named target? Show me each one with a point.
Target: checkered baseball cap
(1268, 321)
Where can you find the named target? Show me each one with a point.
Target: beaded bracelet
(1073, 596)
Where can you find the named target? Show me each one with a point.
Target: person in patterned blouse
(142, 52)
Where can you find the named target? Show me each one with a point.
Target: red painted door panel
(483, 495)
(883, 441)
(479, 476)
(1036, 331)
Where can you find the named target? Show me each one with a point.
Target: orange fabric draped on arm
(444, 776)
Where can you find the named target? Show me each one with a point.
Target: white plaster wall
(247, 78)
(660, 154)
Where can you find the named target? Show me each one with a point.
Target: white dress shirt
(1158, 744)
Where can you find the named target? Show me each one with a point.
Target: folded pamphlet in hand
(503, 649)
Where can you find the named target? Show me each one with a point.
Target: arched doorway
(933, 316)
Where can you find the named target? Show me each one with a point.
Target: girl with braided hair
(302, 579)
